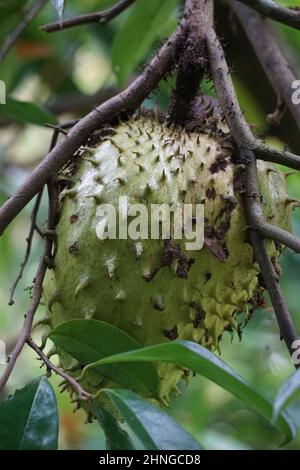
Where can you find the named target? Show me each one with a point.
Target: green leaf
(289, 390)
(116, 437)
(134, 40)
(29, 419)
(195, 357)
(91, 340)
(59, 6)
(154, 428)
(30, 113)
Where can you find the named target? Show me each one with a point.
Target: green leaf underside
(29, 418)
(155, 429)
(289, 390)
(29, 113)
(198, 359)
(116, 437)
(91, 340)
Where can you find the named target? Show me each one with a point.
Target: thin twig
(38, 285)
(29, 239)
(244, 141)
(82, 394)
(29, 15)
(263, 152)
(269, 54)
(270, 9)
(37, 293)
(101, 17)
(126, 101)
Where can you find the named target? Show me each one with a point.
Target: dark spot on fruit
(200, 314)
(73, 218)
(211, 194)
(219, 165)
(74, 249)
(207, 277)
(171, 334)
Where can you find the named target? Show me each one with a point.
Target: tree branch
(269, 54)
(263, 152)
(82, 394)
(126, 101)
(289, 16)
(101, 17)
(244, 141)
(193, 62)
(29, 239)
(29, 15)
(38, 285)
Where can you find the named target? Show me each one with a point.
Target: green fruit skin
(152, 163)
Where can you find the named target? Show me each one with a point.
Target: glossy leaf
(26, 112)
(289, 390)
(198, 359)
(154, 428)
(143, 26)
(91, 340)
(29, 419)
(116, 437)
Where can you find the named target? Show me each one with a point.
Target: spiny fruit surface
(155, 290)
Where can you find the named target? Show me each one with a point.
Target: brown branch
(244, 141)
(126, 101)
(263, 152)
(29, 239)
(289, 16)
(101, 17)
(269, 54)
(197, 15)
(82, 394)
(29, 15)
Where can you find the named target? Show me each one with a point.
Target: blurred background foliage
(69, 72)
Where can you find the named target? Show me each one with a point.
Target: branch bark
(197, 15)
(244, 141)
(289, 16)
(269, 54)
(101, 17)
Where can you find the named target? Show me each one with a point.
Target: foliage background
(54, 68)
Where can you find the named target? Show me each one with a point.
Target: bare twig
(126, 101)
(29, 239)
(244, 141)
(270, 55)
(289, 16)
(37, 293)
(29, 15)
(38, 285)
(101, 17)
(82, 394)
(263, 152)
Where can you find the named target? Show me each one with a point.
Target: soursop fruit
(156, 290)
